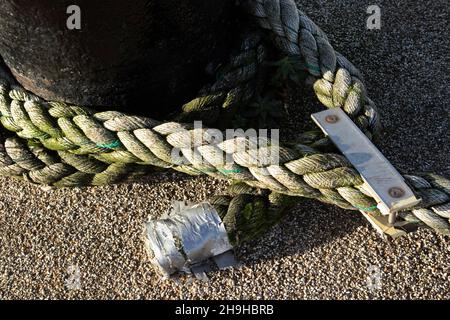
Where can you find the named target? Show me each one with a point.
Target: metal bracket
(381, 179)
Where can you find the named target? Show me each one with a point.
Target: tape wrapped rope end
(187, 240)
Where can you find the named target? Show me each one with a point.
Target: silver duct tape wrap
(186, 238)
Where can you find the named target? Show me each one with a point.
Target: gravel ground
(317, 252)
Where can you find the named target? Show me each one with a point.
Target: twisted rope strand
(337, 82)
(236, 84)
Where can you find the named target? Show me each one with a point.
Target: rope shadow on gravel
(310, 224)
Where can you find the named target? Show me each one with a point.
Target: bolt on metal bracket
(381, 179)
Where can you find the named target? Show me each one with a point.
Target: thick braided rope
(301, 171)
(337, 82)
(36, 164)
(113, 137)
(236, 84)
(249, 212)
(434, 209)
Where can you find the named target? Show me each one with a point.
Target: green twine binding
(111, 145)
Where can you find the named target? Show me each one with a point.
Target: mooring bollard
(142, 58)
